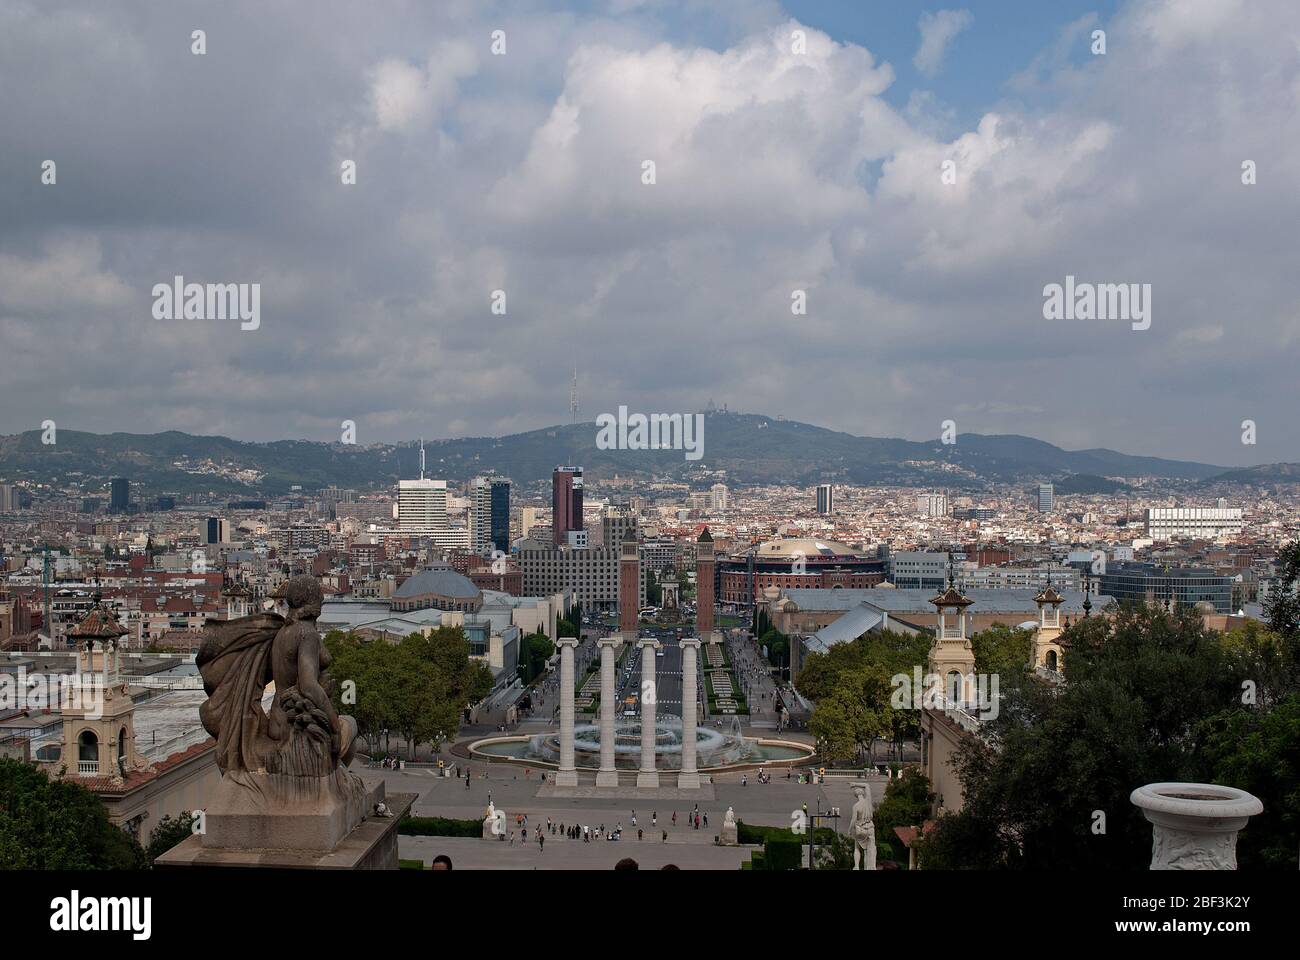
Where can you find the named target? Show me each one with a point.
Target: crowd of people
(587, 833)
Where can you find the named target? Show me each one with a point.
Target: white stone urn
(1195, 825)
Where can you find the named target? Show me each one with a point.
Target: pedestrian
(638, 833)
(665, 836)
(654, 819)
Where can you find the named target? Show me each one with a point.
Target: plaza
(516, 791)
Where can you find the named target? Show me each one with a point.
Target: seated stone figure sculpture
(283, 779)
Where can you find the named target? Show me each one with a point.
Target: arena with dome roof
(796, 563)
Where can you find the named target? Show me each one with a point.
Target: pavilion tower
(98, 713)
(951, 655)
(1047, 652)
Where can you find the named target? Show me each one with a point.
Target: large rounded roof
(440, 581)
(793, 548)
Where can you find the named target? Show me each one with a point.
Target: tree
(418, 687)
(1001, 651)
(907, 802)
(887, 654)
(1259, 752)
(534, 651)
(1059, 758)
(854, 715)
(168, 833)
(654, 593)
(55, 824)
(778, 647)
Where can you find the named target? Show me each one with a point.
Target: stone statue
(494, 823)
(862, 829)
(730, 829)
(288, 762)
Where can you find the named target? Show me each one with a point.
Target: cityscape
(788, 437)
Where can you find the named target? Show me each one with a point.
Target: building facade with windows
(1193, 523)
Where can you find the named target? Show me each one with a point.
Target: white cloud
(938, 30)
(403, 96)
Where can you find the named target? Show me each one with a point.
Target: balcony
(88, 768)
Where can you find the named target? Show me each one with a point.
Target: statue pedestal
(1194, 825)
(729, 836)
(371, 845)
(251, 811)
(494, 827)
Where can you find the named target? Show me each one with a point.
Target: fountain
(714, 748)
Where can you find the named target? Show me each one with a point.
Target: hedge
(746, 834)
(439, 827)
(782, 853)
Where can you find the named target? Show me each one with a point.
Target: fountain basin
(714, 750)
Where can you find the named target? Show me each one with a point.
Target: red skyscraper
(566, 503)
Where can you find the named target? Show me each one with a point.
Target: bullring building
(795, 563)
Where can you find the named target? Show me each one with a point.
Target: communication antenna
(573, 396)
(422, 458)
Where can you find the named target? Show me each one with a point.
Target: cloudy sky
(818, 169)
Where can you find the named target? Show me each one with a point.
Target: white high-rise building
(932, 504)
(718, 497)
(480, 514)
(422, 505)
(1193, 523)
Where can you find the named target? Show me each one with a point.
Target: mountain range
(750, 448)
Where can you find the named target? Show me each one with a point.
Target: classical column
(648, 776)
(689, 777)
(567, 775)
(607, 775)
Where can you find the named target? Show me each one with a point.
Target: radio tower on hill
(573, 396)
